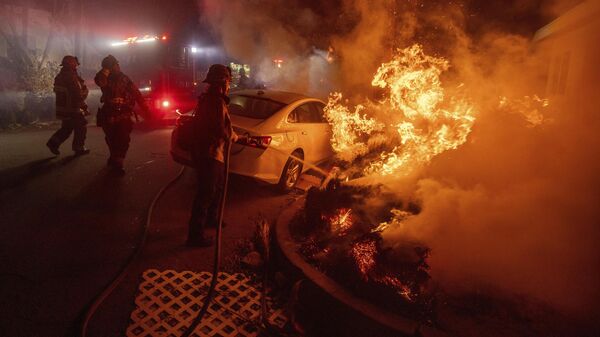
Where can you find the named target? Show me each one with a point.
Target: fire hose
(263, 323)
(103, 295)
(114, 283)
(217, 260)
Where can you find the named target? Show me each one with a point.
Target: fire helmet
(109, 62)
(69, 60)
(218, 73)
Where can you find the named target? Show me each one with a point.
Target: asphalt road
(67, 227)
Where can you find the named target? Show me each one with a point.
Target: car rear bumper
(265, 165)
(262, 164)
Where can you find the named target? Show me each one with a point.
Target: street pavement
(68, 226)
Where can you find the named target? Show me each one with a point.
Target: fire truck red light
(165, 104)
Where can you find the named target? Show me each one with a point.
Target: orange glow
(400, 288)
(364, 256)
(348, 126)
(415, 117)
(530, 107)
(341, 222)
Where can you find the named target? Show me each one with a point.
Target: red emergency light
(136, 39)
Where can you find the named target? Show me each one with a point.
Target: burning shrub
(339, 232)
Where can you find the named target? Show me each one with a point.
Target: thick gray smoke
(355, 34)
(516, 207)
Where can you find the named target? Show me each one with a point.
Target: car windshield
(253, 107)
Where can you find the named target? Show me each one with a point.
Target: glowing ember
(341, 222)
(400, 288)
(364, 255)
(420, 122)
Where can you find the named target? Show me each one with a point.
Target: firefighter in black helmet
(71, 93)
(119, 95)
(213, 127)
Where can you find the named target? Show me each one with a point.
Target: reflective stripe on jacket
(70, 93)
(118, 89)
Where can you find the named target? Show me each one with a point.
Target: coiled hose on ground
(103, 295)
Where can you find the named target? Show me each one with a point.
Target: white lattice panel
(168, 301)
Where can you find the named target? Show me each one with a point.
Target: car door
(301, 122)
(322, 131)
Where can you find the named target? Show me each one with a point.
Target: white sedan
(285, 130)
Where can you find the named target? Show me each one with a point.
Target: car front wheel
(291, 172)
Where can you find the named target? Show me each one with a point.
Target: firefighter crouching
(119, 95)
(71, 93)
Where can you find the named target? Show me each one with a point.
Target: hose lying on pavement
(103, 295)
(217, 260)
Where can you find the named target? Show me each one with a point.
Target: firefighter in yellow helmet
(119, 96)
(71, 93)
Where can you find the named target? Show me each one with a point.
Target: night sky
(512, 16)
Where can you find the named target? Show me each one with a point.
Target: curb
(378, 322)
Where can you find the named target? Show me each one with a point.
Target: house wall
(569, 45)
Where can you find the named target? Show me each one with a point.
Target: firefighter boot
(82, 151)
(116, 165)
(53, 148)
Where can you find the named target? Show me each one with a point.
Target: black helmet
(109, 61)
(69, 59)
(218, 73)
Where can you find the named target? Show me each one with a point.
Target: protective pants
(205, 209)
(75, 125)
(117, 138)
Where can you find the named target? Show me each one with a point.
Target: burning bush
(339, 232)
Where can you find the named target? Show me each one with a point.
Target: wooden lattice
(168, 301)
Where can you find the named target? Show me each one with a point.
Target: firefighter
(213, 125)
(119, 95)
(71, 93)
(244, 82)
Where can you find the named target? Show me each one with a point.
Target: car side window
(293, 117)
(305, 113)
(318, 106)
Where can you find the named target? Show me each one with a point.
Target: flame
(341, 222)
(420, 121)
(348, 127)
(530, 107)
(364, 255)
(398, 220)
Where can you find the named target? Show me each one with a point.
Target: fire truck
(163, 69)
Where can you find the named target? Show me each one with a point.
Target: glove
(242, 139)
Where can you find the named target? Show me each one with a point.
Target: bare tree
(32, 66)
(34, 72)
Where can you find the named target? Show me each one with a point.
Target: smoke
(337, 48)
(516, 207)
(363, 47)
(259, 32)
